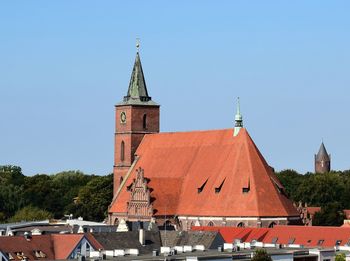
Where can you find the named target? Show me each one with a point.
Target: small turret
(238, 120)
(322, 160)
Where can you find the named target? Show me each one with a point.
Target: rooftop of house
(24, 224)
(307, 236)
(130, 239)
(20, 247)
(43, 247)
(209, 239)
(46, 229)
(230, 234)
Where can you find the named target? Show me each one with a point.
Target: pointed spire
(137, 91)
(322, 153)
(137, 86)
(238, 119)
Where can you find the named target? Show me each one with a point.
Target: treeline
(73, 192)
(53, 196)
(330, 191)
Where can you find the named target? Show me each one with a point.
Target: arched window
(241, 224)
(144, 121)
(122, 151)
(120, 180)
(210, 224)
(272, 224)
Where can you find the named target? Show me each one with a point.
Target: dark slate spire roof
(137, 91)
(322, 153)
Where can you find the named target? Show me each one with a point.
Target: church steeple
(136, 116)
(238, 120)
(137, 92)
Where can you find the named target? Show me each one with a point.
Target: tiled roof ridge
(190, 131)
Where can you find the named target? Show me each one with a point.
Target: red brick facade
(139, 120)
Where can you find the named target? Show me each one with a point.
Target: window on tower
(144, 121)
(122, 151)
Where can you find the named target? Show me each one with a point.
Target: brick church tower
(135, 116)
(322, 160)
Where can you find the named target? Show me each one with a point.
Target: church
(195, 178)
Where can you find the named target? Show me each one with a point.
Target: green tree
(11, 175)
(11, 192)
(340, 257)
(56, 193)
(11, 199)
(30, 213)
(40, 192)
(330, 215)
(66, 186)
(94, 199)
(261, 255)
(291, 180)
(321, 188)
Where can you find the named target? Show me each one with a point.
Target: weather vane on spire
(138, 44)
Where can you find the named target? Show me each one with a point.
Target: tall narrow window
(144, 121)
(122, 151)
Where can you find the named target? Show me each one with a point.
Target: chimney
(80, 229)
(27, 236)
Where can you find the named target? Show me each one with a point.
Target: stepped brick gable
(139, 206)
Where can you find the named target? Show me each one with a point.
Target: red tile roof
(313, 210)
(93, 241)
(13, 244)
(54, 246)
(309, 236)
(229, 234)
(179, 163)
(64, 244)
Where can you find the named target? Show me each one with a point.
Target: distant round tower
(322, 160)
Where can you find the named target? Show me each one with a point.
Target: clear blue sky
(64, 64)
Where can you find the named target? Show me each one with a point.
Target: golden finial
(138, 44)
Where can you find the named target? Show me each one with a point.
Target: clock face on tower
(123, 117)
